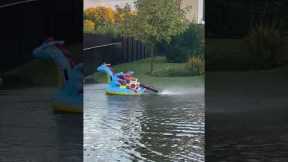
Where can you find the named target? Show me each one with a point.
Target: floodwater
(31, 132)
(161, 128)
(247, 116)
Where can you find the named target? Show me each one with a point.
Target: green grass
(227, 54)
(165, 74)
(232, 55)
(36, 72)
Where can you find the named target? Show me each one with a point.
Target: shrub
(107, 29)
(196, 64)
(191, 41)
(264, 43)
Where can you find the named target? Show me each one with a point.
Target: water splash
(170, 92)
(181, 91)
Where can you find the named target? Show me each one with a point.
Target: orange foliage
(89, 26)
(100, 15)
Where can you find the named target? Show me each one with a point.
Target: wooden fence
(26, 23)
(102, 48)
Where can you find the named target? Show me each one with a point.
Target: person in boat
(127, 80)
(124, 78)
(134, 85)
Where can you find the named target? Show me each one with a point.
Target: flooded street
(30, 131)
(166, 127)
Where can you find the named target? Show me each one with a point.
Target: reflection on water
(30, 131)
(146, 128)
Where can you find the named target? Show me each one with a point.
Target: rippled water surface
(31, 132)
(165, 127)
(247, 116)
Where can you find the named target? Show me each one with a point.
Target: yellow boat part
(122, 94)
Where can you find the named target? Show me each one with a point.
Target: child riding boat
(121, 83)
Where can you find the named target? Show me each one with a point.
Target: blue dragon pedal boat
(69, 97)
(62, 102)
(114, 85)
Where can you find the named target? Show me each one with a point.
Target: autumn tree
(124, 19)
(100, 15)
(122, 12)
(89, 26)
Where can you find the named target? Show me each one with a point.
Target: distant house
(195, 10)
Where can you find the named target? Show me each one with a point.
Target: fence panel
(103, 48)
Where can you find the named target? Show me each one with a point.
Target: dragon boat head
(106, 68)
(47, 49)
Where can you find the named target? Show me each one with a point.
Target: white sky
(111, 3)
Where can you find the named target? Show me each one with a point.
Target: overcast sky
(112, 3)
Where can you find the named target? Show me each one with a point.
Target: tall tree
(156, 21)
(124, 19)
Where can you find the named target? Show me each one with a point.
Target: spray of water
(182, 91)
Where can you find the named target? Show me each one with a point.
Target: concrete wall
(195, 10)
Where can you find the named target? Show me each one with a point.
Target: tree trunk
(152, 60)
